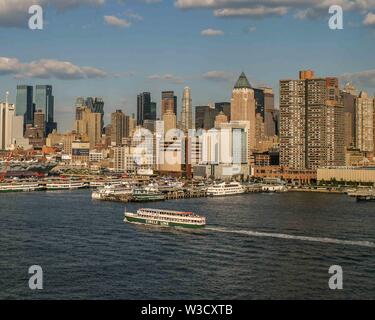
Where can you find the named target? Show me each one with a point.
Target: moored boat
(225, 189)
(147, 194)
(20, 187)
(166, 218)
(69, 185)
(112, 190)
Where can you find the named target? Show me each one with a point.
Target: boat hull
(161, 223)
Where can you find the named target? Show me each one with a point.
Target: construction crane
(6, 164)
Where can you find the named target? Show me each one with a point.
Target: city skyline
(114, 60)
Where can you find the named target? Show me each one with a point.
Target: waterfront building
(365, 122)
(44, 100)
(290, 175)
(243, 109)
(119, 127)
(311, 123)
(81, 151)
(347, 174)
(124, 160)
(24, 104)
(186, 112)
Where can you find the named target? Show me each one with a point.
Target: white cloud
(363, 78)
(259, 11)
(167, 78)
(261, 8)
(212, 32)
(369, 19)
(117, 22)
(218, 76)
(48, 68)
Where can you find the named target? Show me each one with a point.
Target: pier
(363, 195)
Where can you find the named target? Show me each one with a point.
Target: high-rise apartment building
(7, 113)
(89, 127)
(186, 111)
(311, 122)
(119, 127)
(365, 122)
(348, 98)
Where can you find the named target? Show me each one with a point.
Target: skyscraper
(168, 102)
(89, 127)
(365, 122)
(119, 127)
(39, 122)
(146, 110)
(186, 112)
(243, 109)
(265, 106)
(6, 125)
(44, 100)
(311, 123)
(24, 103)
(348, 97)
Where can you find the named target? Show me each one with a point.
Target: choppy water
(256, 246)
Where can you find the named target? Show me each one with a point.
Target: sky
(115, 49)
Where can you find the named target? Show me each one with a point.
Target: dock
(363, 195)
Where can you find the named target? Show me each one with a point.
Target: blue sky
(133, 46)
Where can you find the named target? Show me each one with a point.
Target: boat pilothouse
(166, 218)
(225, 189)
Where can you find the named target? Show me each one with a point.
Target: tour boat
(225, 189)
(166, 218)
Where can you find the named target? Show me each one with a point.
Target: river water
(255, 246)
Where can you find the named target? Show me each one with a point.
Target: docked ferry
(225, 189)
(112, 190)
(20, 187)
(69, 185)
(166, 218)
(147, 194)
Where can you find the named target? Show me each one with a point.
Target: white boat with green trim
(166, 218)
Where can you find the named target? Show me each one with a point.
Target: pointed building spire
(242, 82)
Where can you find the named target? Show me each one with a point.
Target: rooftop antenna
(6, 97)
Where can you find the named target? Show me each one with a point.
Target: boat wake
(368, 244)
